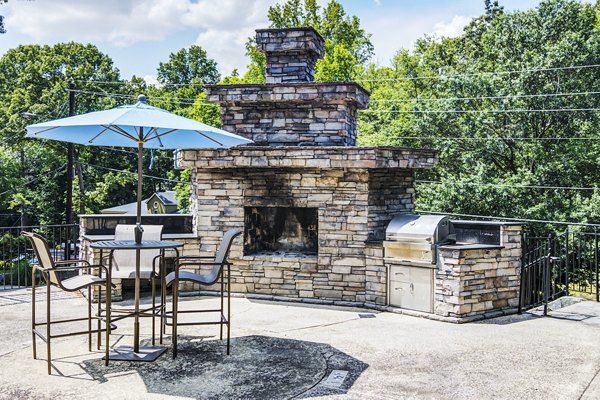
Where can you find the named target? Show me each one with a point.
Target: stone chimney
(291, 53)
(290, 109)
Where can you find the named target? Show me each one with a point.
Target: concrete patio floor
(288, 350)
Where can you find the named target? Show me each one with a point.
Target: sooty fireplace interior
(284, 230)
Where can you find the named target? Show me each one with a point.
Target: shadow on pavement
(259, 367)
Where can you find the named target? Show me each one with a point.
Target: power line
(125, 83)
(492, 73)
(497, 111)
(190, 101)
(516, 96)
(37, 178)
(510, 186)
(408, 78)
(506, 138)
(133, 153)
(133, 173)
(508, 218)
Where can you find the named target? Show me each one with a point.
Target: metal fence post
(523, 272)
(596, 262)
(567, 261)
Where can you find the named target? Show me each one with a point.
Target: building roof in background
(167, 198)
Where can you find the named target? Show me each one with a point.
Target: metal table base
(145, 353)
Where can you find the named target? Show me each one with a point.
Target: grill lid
(433, 229)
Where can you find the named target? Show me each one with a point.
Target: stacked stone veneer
(291, 53)
(305, 114)
(476, 282)
(356, 191)
(291, 110)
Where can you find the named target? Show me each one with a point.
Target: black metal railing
(559, 265)
(16, 254)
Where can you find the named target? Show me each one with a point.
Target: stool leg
(221, 311)
(107, 323)
(153, 310)
(89, 300)
(33, 314)
(48, 351)
(228, 307)
(174, 309)
(99, 334)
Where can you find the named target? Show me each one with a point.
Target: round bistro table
(135, 352)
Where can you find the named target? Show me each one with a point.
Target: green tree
(457, 95)
(183, 78)
(188, 66)
(347, 46)
(33, 79)
(2, 29)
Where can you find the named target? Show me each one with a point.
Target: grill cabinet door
(411, 288)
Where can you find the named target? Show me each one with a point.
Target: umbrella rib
(150, 132)
(118, 130)
(158, 136)
(164, 133)
(98, 135)
(45, 130)
(209, 138)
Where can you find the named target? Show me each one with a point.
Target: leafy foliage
(33, 80)
(347, 46)
(188, 66)
(455, 95)
(2, 29)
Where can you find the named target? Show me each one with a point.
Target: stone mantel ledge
(303, 92)
(308, 157)
(282, 40)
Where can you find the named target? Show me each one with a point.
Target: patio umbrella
(137, 125)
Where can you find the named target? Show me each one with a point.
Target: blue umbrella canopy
(137, 125)
(131, 125)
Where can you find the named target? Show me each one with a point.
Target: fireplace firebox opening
(281, 231)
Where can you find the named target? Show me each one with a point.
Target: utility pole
(69, 199)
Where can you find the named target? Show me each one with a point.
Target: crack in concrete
(314, 326)
(589, 384)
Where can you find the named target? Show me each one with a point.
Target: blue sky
(138, 34)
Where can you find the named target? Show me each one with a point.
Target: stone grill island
(313, 206)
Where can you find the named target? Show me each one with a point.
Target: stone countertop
(470, 246)
(166, 236)
(491, 223)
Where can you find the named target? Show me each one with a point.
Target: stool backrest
(222, 253)
(126, 258)
(45, 262)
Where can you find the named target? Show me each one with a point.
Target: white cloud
(223, 26)
(151, 79)
(452, 28)
(394, 32)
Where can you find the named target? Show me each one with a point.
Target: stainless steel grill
(413, 239)
(411, 254)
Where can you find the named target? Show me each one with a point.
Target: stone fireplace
(313, 206)
(310, 202)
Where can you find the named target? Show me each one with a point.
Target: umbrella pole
(139, 185)
(136, 327)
